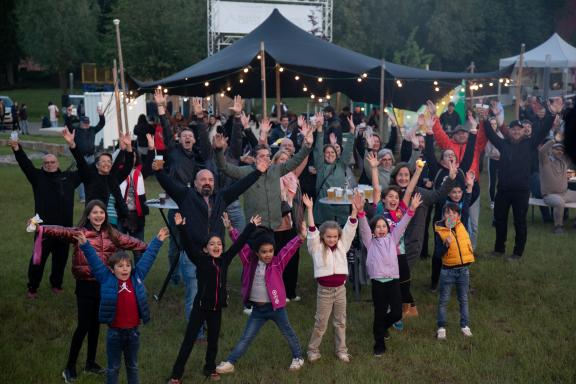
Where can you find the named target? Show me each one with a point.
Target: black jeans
(59, 251)
(518, 200)
(290, 274)
(88, 303)
(405, 279)
(493, 166)
(213, 321)
(424, 254)
(385, 295)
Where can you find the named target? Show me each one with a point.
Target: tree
(11, 52)
(411, 54)
(58, 34)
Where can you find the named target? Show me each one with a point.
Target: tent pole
(338, 100)
(263, 78)
(519, 82)
(117, 98)
(381, 116)
(278, 101)
(123, 83)
(546, 90)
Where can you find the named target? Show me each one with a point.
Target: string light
(222, 94)
(186, 78)
(500, 80)
(320, 100)
(491, 84)
(259, 57)
(359, 79)
(312, 96)
(481, 85)
(328, 97)
(399, 83)
(435, 82)
(246, 70)
(130, 92)
(165, 90)
(241, 81)
(281, 69)
(228, 89)
(207, 98)
(159, 87)
(437, 89)
(185, 99)
(320, 79)
(296, 77)
(364, 75)
(206, 84)
(305, 89)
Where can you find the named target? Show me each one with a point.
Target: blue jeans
(188, 271)
(449, 277)
(236, 215)
(120, 341)
(260, 315)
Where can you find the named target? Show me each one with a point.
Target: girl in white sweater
(328, 247)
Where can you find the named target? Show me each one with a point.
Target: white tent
(562, 55)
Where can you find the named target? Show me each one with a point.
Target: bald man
(53, 192)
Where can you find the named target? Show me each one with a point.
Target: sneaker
(56, 290)
(344, 357)
(386, 335)
(296, 364)
(94, 368)
(466, 331)
(513, 258)
(433, 288)
(491, 205)
(399, 326)
(441, 333)
(174, 381)
(225, 367)
(247, 311)
(32, 295)
(69, 376)
(296, 298)
(287, 300)
(379, 352)
(558, 230)
(313, 356)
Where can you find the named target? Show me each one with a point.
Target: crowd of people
(283, 171)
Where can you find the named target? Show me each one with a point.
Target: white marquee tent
(562, 55)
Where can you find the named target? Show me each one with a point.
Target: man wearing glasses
(53, 191)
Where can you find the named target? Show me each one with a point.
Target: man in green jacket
(263, 197)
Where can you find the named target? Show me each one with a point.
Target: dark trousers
(290, 274)
(88, 303)
(435, 272)
(405, 279)
(424, 254)
(518, 200)
(59, 251)
(213, 321)
(493, 166)
(384, 296)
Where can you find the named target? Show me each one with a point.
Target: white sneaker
(225, 367)
(247, 311)
(313, 356)
(297, 298)
(440, 334)
(466, 331)
(344, 357)
(296, 364)
(491, 205)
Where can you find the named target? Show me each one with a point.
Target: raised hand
(263, 164)
(163, 233)
(556, 105)
(319, 121)
(393, 121)
(13, 144)
(301, 120)
(247, 159)
(416, 201)
(80, 237)
(126, 142)
(219, 141)
(265, 127)
(307, 201)
(178, 219)
(473, 123)
(150, 140)
(226, 221)
(333, 138)
(370, 142)
(245, 120)
(159, 97)
(358, 202)
(431, 107)
(453, 170)
(470, 177)
(237, 106)
(256, 220)
(69, 137)
(421, 121)
(372, 159)
(351, 124)
(307, 132)
(197, 106)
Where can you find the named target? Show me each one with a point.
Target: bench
(540, 203)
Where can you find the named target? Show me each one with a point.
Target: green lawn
(36, 99)
(522, 316)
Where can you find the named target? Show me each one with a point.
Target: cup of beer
(349, 194)
(331, 193)
(339, 192)
(368, 192)
(162, 198)
(160, 160)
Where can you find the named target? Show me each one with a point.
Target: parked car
(8, 119)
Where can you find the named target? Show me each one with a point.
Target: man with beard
(204, 207)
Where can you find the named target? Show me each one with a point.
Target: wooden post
(472, 68)
(263, 78)
(124, 90)
(382, 103)
(117, 98)
(518, 94)
(338, 100)
(278, 99)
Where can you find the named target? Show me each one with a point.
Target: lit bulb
(491, 84)
(222, 94)
(185, 99)
(165, 90)
(259, 57)
(320, 100)
(228, 89)
(328, 97)
(435, 82)
(359, 79)
(443, 102)
(281, 69)
(364, 75)
(408, 117)
(305, 89)
(437, 89)
(500, 80)
(312, 96)
(296, 77)
(207, 98)
(481, 85)
(159, 87)
(362, 109)
(186, 78)
(206, 84)
(130, 92)
(241, 81)
(320, 79)
(246, 70)
(399, 83)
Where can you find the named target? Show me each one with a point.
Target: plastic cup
(162, 198)
(331, 194)
(339, 194)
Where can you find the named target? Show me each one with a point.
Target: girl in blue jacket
(123, 302)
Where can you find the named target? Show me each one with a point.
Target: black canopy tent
(306, 66)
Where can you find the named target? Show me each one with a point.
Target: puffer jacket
(263, 198)
(101, 242)
(109, 282)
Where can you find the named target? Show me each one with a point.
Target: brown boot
(412, 311)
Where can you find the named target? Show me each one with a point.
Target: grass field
(522, 316)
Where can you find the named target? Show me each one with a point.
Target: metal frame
(217, 41)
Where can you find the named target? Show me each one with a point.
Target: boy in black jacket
(516, 151)
(212, 269)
